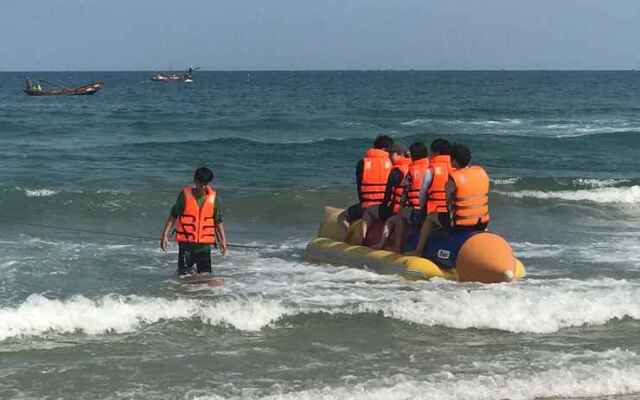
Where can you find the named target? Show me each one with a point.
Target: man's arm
(176, 210)
(450, 189)
(394, 179)
(426, 182)
(164, 236)
(359, 173)
(221, 238)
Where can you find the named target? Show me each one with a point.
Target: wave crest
(624, 195)
(119, 314)
(614, 373)
(518, 309)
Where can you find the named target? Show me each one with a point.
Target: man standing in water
(198, 220)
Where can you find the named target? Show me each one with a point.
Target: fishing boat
(186, 77)
(165, 77)
(478, 256)
(34, 88)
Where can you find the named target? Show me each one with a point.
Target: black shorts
(187, 258)
(384, 212)
(417, 217)
(354, 212)
(444, 220)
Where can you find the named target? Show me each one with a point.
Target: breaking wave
(624, 195)
(119, 314)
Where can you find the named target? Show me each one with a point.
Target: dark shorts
(417, 217)
(187, 259)
(354, 212)
(444, 220)
(385, 212)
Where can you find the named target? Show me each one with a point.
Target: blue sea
(90, 309)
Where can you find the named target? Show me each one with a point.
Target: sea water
(89, 308)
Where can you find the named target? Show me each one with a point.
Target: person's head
(382, 142)
(397, 151)
(440, 147)
(460, 155)
(418, 151)
(203, 176)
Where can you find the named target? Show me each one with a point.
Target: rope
(123, 235)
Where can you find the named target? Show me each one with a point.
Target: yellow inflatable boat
(482, 257)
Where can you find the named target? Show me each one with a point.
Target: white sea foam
(610, 373)
(598, 183)
(40, 192)
(625, 195)
(529, 306)
(416, 122)
(516, 308)
(39, 315)
(580, 132)
(537, 250)
(617, 249)
(592, 127)
(486, 123)
(273, 288)
(505, 181)
(506, 121)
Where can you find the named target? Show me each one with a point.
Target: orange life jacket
(403, 165)
(416, 175)
(469, 204)
(197, 224)
(375, 172)
(440, 167)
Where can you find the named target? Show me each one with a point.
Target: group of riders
(412, 190)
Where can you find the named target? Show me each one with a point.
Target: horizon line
(336, 70)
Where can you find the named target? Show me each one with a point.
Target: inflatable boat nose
(486, 257)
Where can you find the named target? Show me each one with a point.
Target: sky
(50, 35)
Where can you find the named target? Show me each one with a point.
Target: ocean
(89, 308)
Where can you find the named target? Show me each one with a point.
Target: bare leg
(388, 226)
(383, 237)
(367, 218)
(398, 234)
(342, 219)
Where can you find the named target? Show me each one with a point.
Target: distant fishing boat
(186, 77)
(165, 77)
(34, 88)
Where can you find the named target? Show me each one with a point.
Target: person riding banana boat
(464, 202)
(410, 213)
(372, 172)
(393, 194)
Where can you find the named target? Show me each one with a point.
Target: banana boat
(469, 257)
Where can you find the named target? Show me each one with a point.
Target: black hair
(382, 142)
(461, 154)
(203, 175)
(441, 146)
(418, 151)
